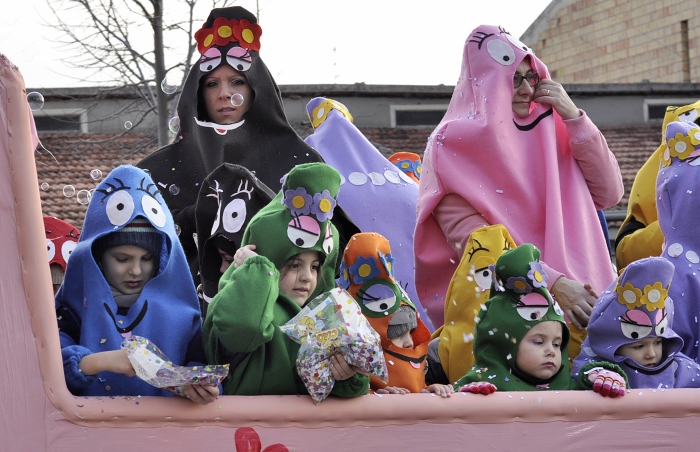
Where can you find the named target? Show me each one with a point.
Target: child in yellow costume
(640, 236)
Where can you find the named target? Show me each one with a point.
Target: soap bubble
(96, 174)
(128, 125)
(174, 124)
(68, 191)
(237, 99)
(36, 100)
(83, 197)
(44, 186)
(172, 80)
(177, 229)
(174, 189)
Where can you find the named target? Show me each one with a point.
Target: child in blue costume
(127, 275)
(287, 257)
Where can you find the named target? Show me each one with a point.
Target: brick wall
(619, 41)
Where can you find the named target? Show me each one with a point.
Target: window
(417, 115)
(655, 109)
(64, 120)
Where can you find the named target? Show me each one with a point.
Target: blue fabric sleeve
(72, 354)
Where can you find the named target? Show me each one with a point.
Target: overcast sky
(403, 42)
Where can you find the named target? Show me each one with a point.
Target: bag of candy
(333, 323)
(153, 367)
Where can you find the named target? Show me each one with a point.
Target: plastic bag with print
(153, 367)
(333, 323)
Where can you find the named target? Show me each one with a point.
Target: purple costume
(376, 195)
(677, 202)
(633, 308)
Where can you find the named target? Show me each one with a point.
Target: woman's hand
(242, 254)
(575, 299)
(441, 390)
(552, 93)
(479, 387)
(392, 390)
(606, 382)
(201, 394)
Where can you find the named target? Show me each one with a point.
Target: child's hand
(201, 394)
(441, 390)
(116, 361)
(606, 382)
(242, 254)
(340, 369)
(479, 387)
(392, 390)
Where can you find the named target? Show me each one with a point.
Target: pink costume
(540, 176)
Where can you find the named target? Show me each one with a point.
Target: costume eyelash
(365, 296)
(479, 37)
(478, 248)
(503, 30)
(147, 189)
(112, 189)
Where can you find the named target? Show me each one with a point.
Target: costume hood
(166, 312)
(298, 219)
(519, 300)
(367, 273)
(263, 142)
(633, 308)
(514, 171)
(228, 198)
(61, 240)
(375, 194)
(677, 191)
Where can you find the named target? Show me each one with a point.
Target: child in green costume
(521, 337)
(288, 256)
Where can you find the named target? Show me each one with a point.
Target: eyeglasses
(533, 78)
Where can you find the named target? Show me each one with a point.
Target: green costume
(243, 321)
(520, 300)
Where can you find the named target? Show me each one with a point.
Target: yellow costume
(640, 236)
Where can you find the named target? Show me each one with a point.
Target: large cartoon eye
(501, 52)
(234, 215)
(328, 240)
(483, 278)
(303, 231)
(51, 248)
(154, 211)
(517, 43)
(635, 325)
(661, 322)
(688, 116)
(378, 298)
(532, 306)
(67, 249)
(119, 208)
(239, 59)
(210, 60)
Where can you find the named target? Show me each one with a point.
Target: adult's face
(219, 87)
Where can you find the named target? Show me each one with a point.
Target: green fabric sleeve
(583, 383)
(354, 386)
(240, 315)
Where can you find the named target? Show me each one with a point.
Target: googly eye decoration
(239, 59)
(153, 210)
(304, 231)
(234, 215)
(67, 249)
(501, 52)
(119, 208)
(210, 60)
(328, 239)
(517, 43)
(51, 249)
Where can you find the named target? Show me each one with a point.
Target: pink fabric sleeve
(457, 219)
(598, 164)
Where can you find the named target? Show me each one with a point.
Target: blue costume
(166, 311)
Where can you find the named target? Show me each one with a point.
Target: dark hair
(285, 267)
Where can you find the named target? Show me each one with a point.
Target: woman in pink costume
(514, 149)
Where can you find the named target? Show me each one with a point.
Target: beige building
(619, 41)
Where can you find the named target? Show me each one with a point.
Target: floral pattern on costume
(629, 295)
(364, 269)
(323, 206)
(518, 284)
(537, 275)
(388, 262)
(654, 296)
(298, 201)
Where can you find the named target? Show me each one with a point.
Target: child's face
(403, 341)
(127, 268)
(226, 260)
(539, 353)
(299, 276)
(646, 352)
